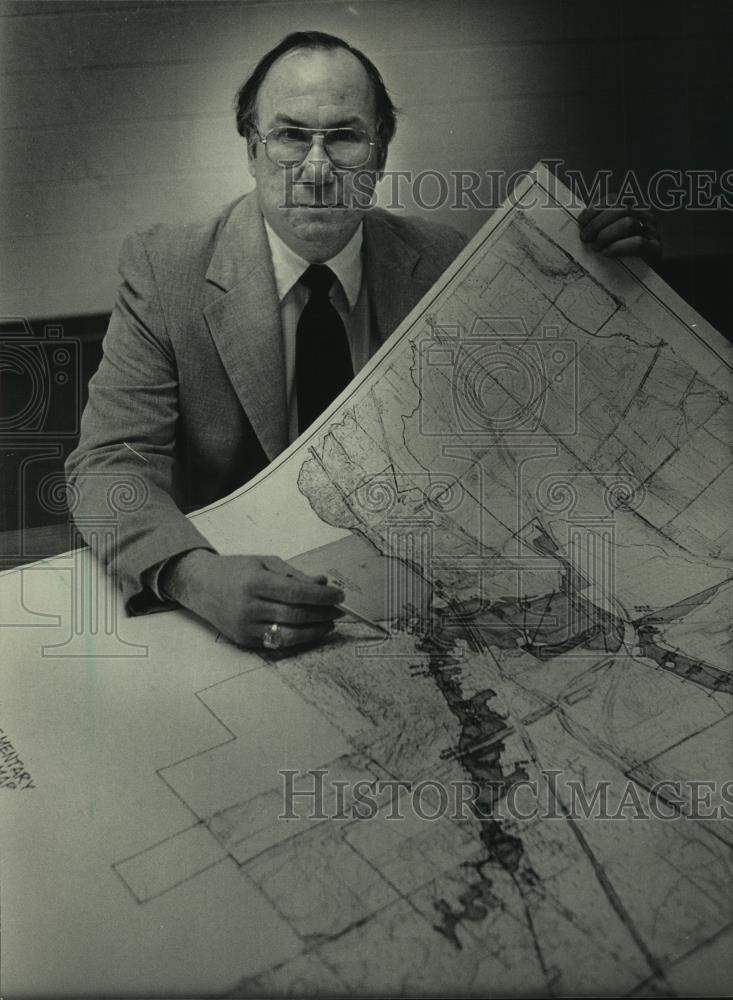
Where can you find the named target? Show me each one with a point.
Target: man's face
(312, 207)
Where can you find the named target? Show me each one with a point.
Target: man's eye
(292, 135)
(345, 135)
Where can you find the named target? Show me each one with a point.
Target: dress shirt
(348, 295)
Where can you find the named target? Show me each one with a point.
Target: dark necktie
(322, 357)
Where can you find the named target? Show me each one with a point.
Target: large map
(524, 789)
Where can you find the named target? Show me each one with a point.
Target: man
(227, 339)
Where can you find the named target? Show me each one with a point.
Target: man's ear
(252, 154)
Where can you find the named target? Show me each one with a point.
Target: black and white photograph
(366, 550)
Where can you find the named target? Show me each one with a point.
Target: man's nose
(316, 166)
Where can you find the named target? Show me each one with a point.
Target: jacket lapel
(395, 281)
(244, 323)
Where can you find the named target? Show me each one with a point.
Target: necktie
(322, 358)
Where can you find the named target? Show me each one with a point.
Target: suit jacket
(189, 399)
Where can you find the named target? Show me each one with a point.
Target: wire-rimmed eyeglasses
(346, 148)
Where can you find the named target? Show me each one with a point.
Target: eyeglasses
(346, 148)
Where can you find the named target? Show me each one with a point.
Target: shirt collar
(290, 266)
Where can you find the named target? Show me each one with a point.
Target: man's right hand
(243, 595)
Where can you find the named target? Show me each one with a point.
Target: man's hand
(620, 231)
(243, 595)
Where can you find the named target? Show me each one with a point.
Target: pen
(335, 582)
(363, 618)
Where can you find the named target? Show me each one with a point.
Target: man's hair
(246, 99)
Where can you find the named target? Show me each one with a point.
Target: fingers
(277, 565)
(299, 575)
(649, 250)
(623, 220)
(299, 635)
(618, 231)
(288, 636)
(592, 220)
(282, 589)
(294, 614)
(612, 204)
(624, 228)
(632, 245)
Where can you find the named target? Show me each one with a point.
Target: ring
(642, 226)
(272, 637)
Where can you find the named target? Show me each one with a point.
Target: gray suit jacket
(189, 400)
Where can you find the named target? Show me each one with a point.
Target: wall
(115, 115)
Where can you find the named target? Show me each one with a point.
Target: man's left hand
(620, 231)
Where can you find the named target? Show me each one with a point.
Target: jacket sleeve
(454, 241)
(123, 476)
